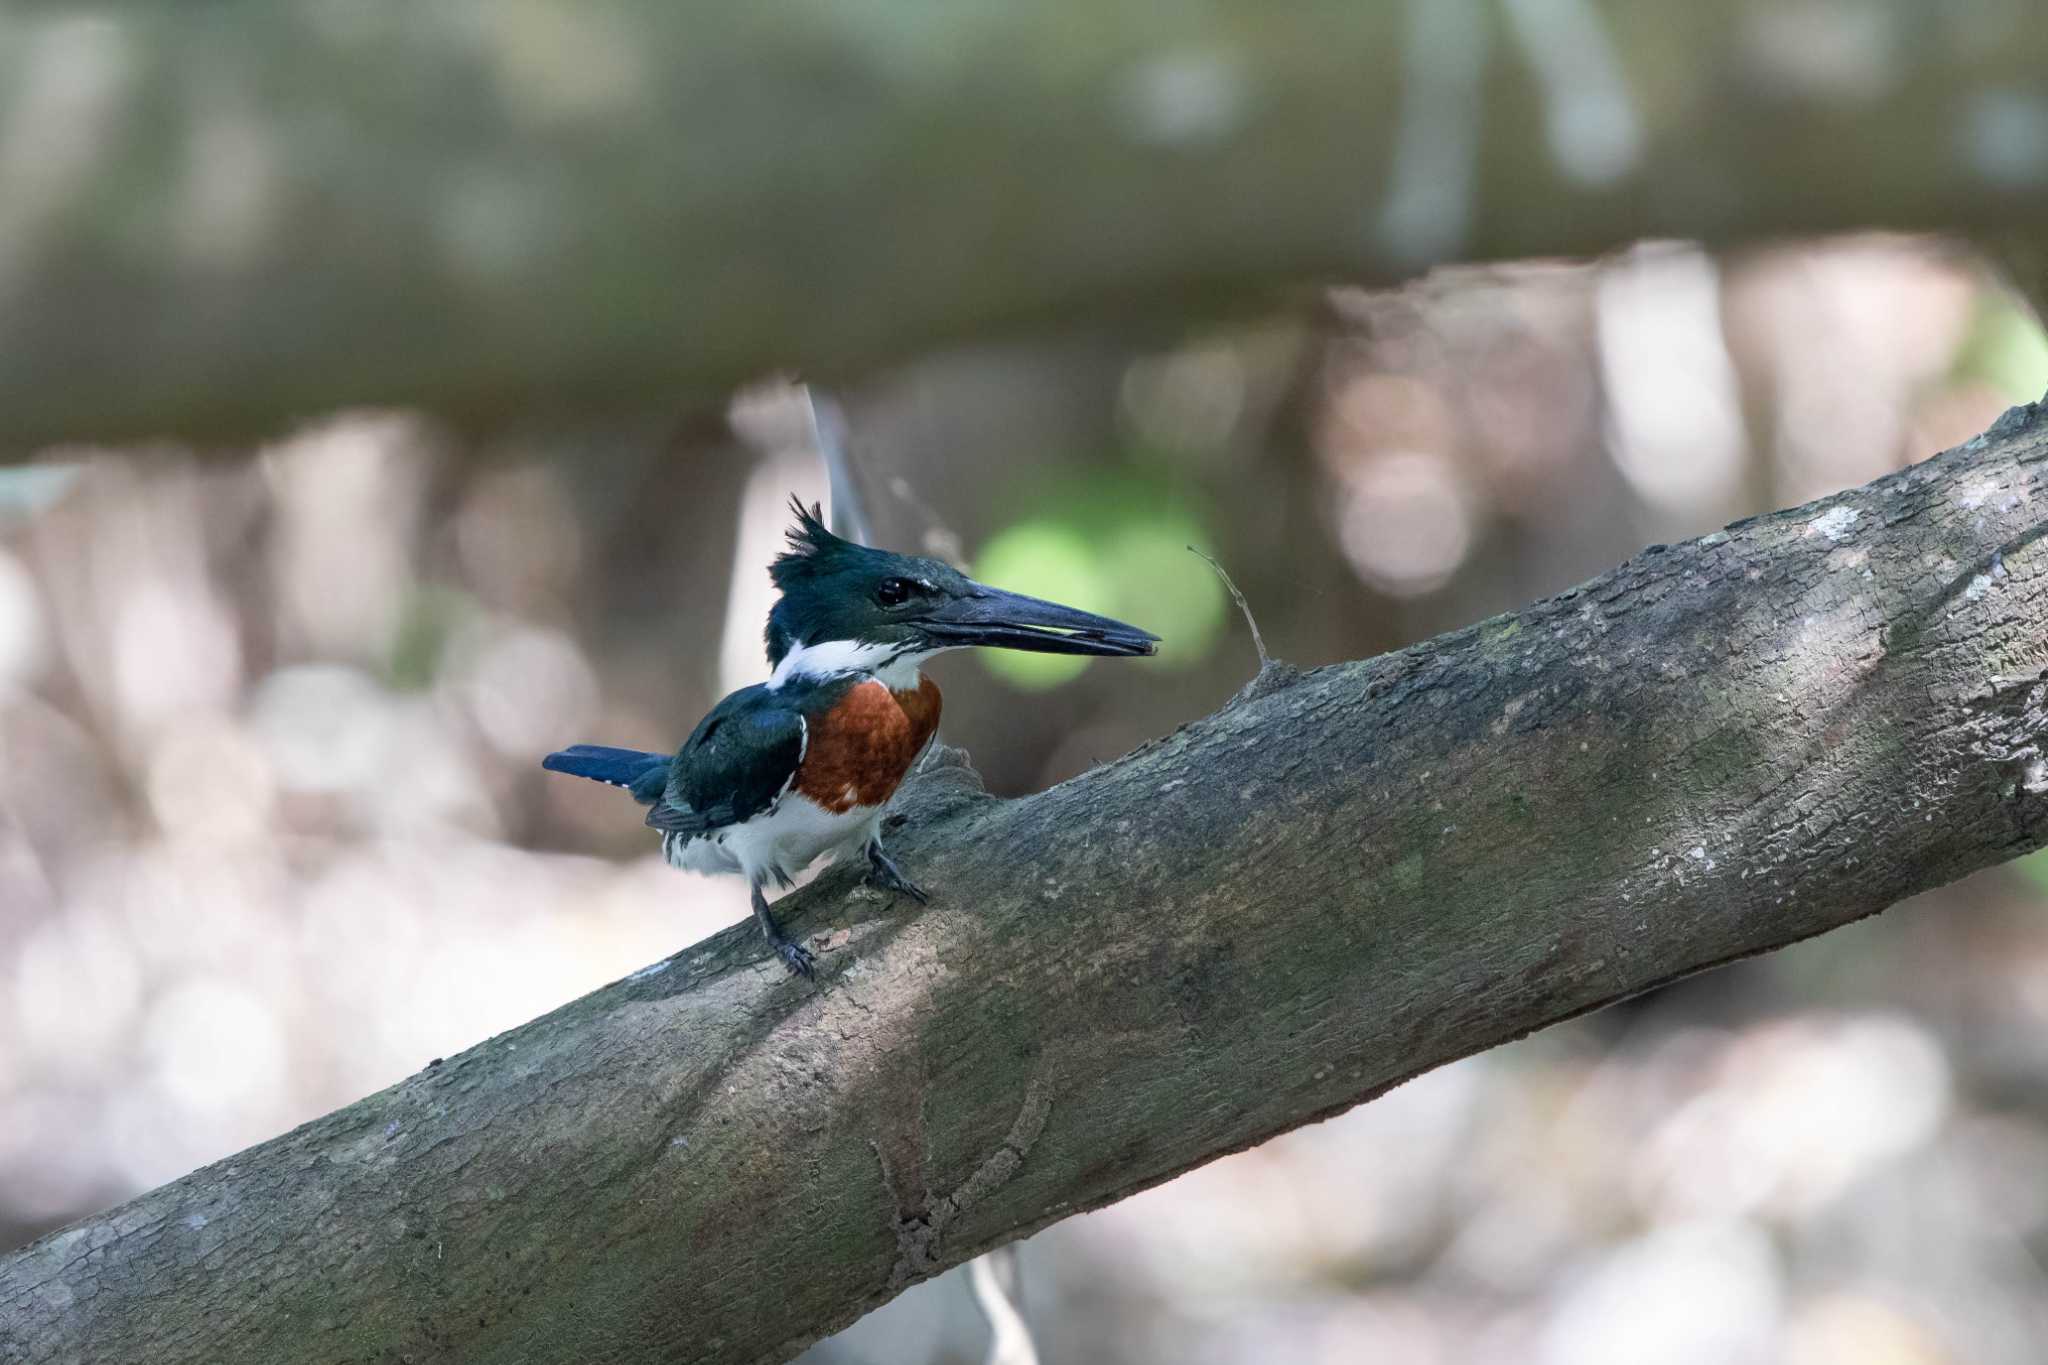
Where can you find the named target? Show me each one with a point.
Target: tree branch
(216, 219)
(1267, 917)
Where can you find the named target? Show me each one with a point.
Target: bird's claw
(799, 959)
(883, 873)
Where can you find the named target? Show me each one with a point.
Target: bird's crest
(811, 546)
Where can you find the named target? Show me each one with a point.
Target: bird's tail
(638, 772)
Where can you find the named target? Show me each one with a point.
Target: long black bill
(1008, 620)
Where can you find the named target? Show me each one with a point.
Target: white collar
(895, 666)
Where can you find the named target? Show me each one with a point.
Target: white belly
(777, 844)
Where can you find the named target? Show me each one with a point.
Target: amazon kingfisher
(786, 771)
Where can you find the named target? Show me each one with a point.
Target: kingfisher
(789, 770)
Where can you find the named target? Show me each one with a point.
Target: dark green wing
(736, 764)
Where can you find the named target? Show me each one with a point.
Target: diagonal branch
(1264, 918)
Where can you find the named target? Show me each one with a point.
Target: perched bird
(786, 771)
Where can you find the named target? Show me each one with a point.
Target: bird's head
(852, 602)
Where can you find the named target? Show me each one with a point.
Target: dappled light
(272, 804)
(391, 396)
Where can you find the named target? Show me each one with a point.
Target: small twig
(1258, 640)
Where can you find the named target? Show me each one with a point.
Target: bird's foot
(797, 958)
(883, 872)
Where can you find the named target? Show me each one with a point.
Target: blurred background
(273, 832)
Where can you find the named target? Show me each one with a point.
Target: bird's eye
(893, 592)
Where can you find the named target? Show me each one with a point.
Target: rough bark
(1340, 880)
(217, 218)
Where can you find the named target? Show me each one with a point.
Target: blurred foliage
(428, 620)
(1109, 542)
(269, 797)
(271, 832)
(1046, 559)
(2033, 869)
(2006, 348)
